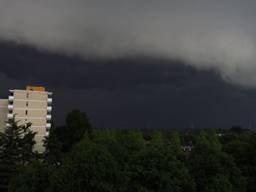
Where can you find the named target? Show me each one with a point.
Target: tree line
(79, 158)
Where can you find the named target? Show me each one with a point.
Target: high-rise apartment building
(33, 105)
(3, 113)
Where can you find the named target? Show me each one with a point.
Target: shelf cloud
(206, 34)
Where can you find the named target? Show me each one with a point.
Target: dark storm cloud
(25, 63)
(128, 92)
(207, 34)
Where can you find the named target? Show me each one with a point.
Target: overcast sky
(219, 34)
(114, 43)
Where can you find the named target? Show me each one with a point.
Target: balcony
(49, 109)
(47, 134)
(48, 125)
(11, 98)
(49, 100)
(49, 117)
(10, 107)
(10, 116)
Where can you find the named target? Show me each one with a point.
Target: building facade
(3, 113)
(32, 105)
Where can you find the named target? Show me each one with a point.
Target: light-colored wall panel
(40, 131)
(37, 122)
(3, 113)
(19, 94)
(19, 103)
(38, 96)
(31, 106)
(37, 113)
(19, 112)
(35, 104)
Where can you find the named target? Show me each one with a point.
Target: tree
(77, 124)
(132, 140)
(16, 148)
(175, 142)
(156, 168)
(213, 169)
(157, 138)
(53, 148)
(242, 146)
(89, 167)
(31, 178)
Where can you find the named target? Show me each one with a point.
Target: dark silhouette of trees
(16, 149)
(88, 167)
(62, 139)
(212, 168)
(131, 160)
(31, 178)
(77, 125)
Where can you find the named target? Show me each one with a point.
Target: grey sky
(129, 92)
(218, 34)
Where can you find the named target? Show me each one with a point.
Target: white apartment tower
(3, 113)
(33, 105)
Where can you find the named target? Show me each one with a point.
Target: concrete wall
(31, 107)
(3, 113)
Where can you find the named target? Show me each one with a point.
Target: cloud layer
(207, 34)
(129, 92)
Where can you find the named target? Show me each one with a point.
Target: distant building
(188, 147)
(3, 113)
(32, 105)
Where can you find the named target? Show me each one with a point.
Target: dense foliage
(16, 144)
(80, 159)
